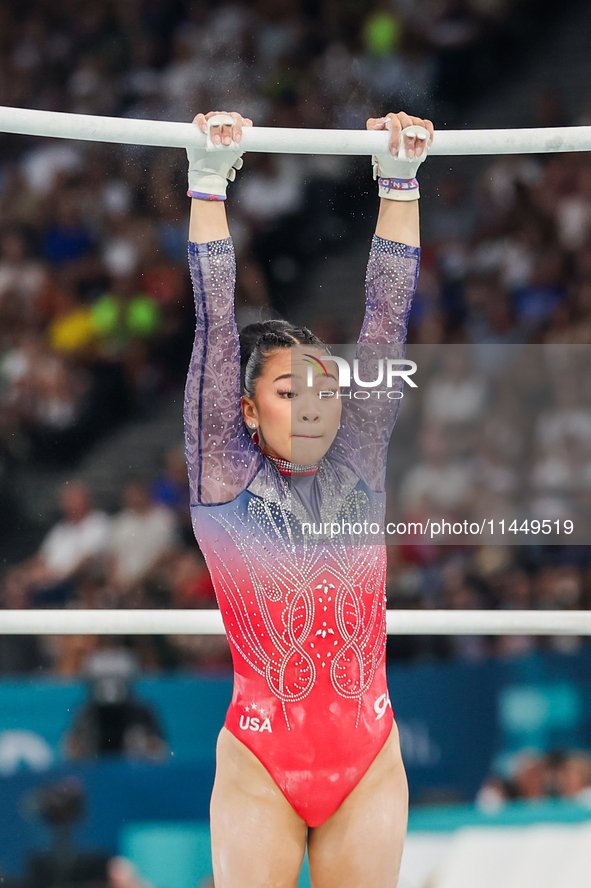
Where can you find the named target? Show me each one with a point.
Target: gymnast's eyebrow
(297, 376)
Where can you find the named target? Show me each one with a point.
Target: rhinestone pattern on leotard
(285, 570)
(305, 615)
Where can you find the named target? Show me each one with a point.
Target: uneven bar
(209, 622)
(271, 140)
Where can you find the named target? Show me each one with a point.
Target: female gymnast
(309, 753)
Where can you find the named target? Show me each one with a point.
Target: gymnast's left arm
(390, 284)
(393, 265)
(398, 217)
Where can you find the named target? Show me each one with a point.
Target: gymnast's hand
(212, 166)
(223, 135)
(396, 123)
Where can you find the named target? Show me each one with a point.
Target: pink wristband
(202, 196)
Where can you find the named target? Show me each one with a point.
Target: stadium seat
(542, 856)
(169, 855)
(175, 855)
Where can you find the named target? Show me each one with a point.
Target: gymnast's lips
(311, 437)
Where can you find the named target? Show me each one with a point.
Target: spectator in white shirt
(82, 536)
(143, 532)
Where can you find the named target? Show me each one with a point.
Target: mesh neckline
(284, 465)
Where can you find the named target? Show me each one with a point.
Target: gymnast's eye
(287, 393)
(326, 393)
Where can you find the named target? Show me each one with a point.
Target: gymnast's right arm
(221, 457)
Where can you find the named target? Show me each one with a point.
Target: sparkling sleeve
(367, 424)
(221, 458)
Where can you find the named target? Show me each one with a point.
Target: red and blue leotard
(304, 614)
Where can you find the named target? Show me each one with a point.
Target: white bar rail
(209, 622)
(270, 140)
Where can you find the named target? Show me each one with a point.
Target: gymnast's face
(295, 421)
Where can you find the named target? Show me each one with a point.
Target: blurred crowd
(535, 776)
(496, 439)
(95, 308)
(143, 556)
(503, 433)
(508, 259)
(95, 302)
(491, 577)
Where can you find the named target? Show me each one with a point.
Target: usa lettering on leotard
(254, 723)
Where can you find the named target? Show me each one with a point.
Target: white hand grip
(415, 131)
(219, 120)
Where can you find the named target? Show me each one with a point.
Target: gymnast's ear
(249, 412)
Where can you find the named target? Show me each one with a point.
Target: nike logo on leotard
(381, 705)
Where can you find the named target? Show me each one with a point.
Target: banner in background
(455, 719)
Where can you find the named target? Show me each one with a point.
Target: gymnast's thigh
(360, 845)
(257, 838)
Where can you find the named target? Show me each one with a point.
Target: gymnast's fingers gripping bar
(209, 622)
(270, 140)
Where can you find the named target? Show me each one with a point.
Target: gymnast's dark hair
(257, 341)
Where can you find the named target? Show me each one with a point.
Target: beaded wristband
(202, 196)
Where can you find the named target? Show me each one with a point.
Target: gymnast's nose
(309, 412)
(310, 416)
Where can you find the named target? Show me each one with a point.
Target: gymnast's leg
(258, 840)
(360, 845)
